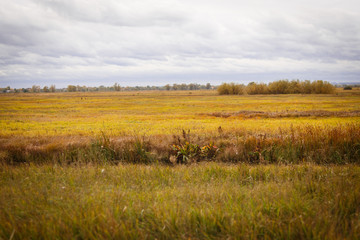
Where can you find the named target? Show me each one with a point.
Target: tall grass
(205, 201)
(322, 145)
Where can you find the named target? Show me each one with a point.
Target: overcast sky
(155, 42)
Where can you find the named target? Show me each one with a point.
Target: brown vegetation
(339, 144)
(278, 87)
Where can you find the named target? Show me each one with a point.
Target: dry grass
(328, 144)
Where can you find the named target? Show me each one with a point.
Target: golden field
(150, 126)
(151, 113)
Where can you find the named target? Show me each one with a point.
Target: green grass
(206, 201)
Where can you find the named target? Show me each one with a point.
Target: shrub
(257, 88)
(231, 89)
(278, 87)
(322, 87)
(187, 152)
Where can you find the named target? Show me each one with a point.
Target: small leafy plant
(188, 152)
(209, 151)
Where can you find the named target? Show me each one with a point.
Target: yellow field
(152, 113)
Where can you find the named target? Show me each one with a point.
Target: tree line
(115, 87)
(278, 87)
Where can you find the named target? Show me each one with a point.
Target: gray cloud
(161, 41)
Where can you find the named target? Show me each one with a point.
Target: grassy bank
(322, 145)
(205, 201)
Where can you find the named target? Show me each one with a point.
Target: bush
(348, 88)
(257, 88)
(231, 89)
(278, 87)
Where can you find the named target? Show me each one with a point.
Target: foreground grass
(204, 201)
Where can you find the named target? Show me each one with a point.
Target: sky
(158, 42)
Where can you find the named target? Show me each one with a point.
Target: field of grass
(86, 114)
(179, 165)
(145, 126)
(204, 201)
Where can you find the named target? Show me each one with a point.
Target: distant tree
(183, 86)
(305, 87)
(175, 87)
(231, 89)
(117, 87)
(46, 89)
(71, 88)
(322, 87)
(52, 88)
(35, 89)
(208, 86)
(279, 87)
(347, 88)
(257, 88)
(294, 87)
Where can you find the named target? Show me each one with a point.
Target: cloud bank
(154, 42)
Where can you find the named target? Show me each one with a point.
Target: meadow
(179, 165)
(203, 201)
(164, 112)
(145, 126)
